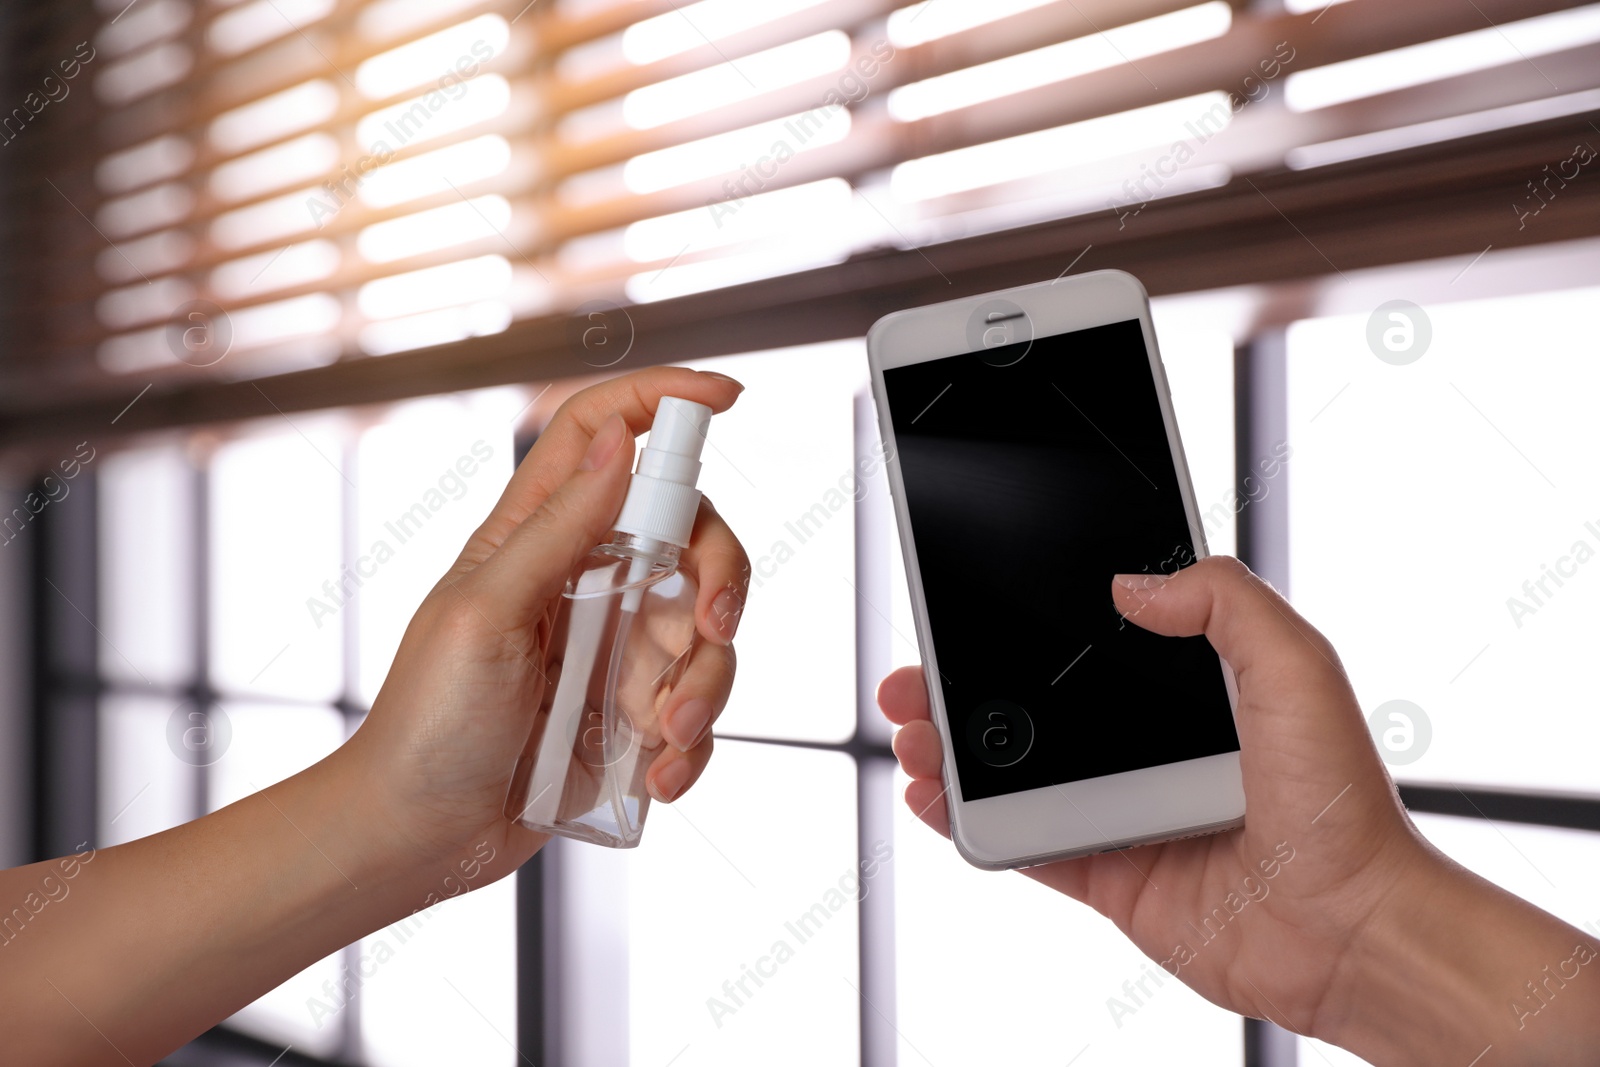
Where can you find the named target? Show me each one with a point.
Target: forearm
(1460, 971)
(147, 944)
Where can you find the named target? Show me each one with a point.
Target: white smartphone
(1032, 453)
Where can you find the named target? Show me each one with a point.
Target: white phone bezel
(1161, 803)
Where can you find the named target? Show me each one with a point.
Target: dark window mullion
(350, 700)
(64, 543)
(875, 802)
(875, 955)
(200, 690)
(538, 918)
(1568, 811)
(1261, 420)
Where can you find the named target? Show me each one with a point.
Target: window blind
(220, 192)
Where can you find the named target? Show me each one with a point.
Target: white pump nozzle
(662, 498)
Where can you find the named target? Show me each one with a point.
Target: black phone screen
(1033, 472)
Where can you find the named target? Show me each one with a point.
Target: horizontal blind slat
(1180, 73)
(1363, 214)
(543, 222)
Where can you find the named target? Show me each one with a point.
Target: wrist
(1408, 979)
(380, 832)
(348, 822)
(1450, 966)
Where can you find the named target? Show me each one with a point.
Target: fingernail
(687, 726)
(725, 612)
(1137, 582)
(605, 444)
(666, 785)
(723, 378)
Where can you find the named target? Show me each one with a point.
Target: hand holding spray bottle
(621, 638)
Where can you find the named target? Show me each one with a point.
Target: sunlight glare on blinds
(143, 25)
(933, 19)
(1076, 143)
(271, 117)
(436, 228)
(161, 157)
(1512, 42)
(484, 97)
(272, 168)
(650, 150)
(436, 172)
(727, 152)
(716, 87)
(254, 24)
(695, 25)
(1058, 62)
(434, 287)
(429, 58)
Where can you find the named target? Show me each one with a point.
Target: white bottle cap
(662, 499)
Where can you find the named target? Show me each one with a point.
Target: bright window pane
(146, 566)
(731, 878)
(1554, 868)
(428, 476)
(1198, 357)
(275, 562)
(1443, 527)
(780, 467)
(901, 621)
(294, 1013)
(1321, 1054)
(886, 635)
(268, 744)
(144, 787)
(994, 968)
(440, 986)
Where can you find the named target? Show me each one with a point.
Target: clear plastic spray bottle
(621, 638)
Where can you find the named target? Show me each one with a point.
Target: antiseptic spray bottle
(621, 638)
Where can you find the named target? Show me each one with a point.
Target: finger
(673, 772)
(1295, 702)
(518, 581)
(560, 447)
(903, 696)
(699, 697)
(1243, 617)
(926, 800)
(718, 561)
(917, 748)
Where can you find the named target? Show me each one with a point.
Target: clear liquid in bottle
(621, 638)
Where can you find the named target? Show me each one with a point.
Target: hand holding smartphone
(1033, 455)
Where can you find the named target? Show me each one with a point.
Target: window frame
(68, 685)
(1238, 234)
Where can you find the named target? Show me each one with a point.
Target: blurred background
(272, 267)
